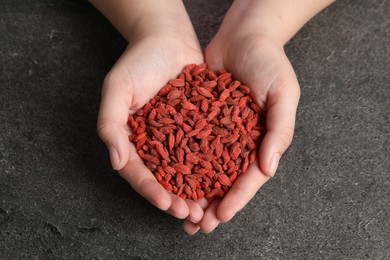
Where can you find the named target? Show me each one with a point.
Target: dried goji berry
(199, 133)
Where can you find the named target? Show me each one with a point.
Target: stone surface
(59, 197)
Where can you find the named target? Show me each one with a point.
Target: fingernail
(227, 220)
(195, 220)
(274, 164)
(194, 232)
(114, 156)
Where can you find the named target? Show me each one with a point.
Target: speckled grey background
(59, 197)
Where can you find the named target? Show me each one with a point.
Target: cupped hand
(261, 63)
(143, 69)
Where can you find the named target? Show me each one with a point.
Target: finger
(179, 207)
(281, 112)
(210, 220)
(143, 182)
(196, 211)
(112, 122)
(213, 60)
(191, 228)
(242, 191)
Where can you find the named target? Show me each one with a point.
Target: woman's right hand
(158, 51)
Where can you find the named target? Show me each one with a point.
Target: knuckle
(286, 136)
(298, 92)
(290, 87)
(109, 78)
(102, 127)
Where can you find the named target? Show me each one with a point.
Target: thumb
(281, 112)
(112, 122)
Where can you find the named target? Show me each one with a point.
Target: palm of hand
(147, 65)
(137, 77)
(262, 65)
(256, 61)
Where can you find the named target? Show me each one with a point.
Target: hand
(258, 61)
(151, 59)
(162, 41)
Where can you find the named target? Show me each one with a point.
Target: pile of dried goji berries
(199, 133)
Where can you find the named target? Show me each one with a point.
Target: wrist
(278, 20)
(248, 18)
(138, 19)
(170, 24)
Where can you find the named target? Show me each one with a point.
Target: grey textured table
(59, 197)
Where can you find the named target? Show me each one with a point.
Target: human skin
(249, 44)
(161, 42)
